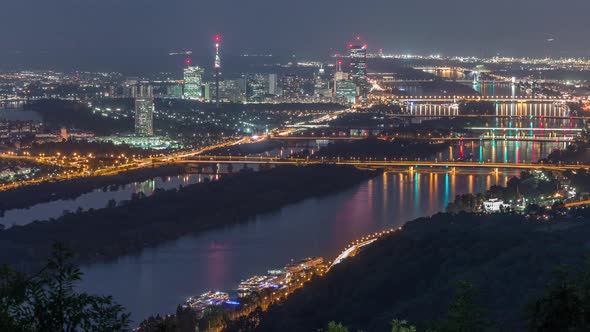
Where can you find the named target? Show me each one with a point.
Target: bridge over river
(410, 164)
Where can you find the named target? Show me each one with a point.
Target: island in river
(116, 230)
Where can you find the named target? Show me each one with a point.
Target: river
(156, 280)
(481, 151)
(96, 199)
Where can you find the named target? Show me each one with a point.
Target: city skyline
(263, 166)
(458, 27)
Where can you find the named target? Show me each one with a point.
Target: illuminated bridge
(411, 164)
(504, 107)
(485, 137)
(442, 114)
(525, 129)
(318, 138)
(522, 99)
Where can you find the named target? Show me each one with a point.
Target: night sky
(64, 28)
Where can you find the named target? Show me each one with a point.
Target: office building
(273, 85)
(358, 62)
(257, 88)
(232, 90)
(291, 86)
(358, 65)
(193, 82)
(346, 90)
(144, 112)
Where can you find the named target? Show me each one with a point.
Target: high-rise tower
(193, 82)
(217, 68)
(358, 61)
(144, 111)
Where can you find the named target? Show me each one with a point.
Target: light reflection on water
(500, 151)
(540, 112)
(95, 199)
(157, 279)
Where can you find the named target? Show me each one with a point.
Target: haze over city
(262, 166)
(84, 32)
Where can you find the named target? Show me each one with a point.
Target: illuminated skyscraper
(233, 91)
(273, 86)
(257, 88)
(347, 90)
(291, 86)
(358, 61)
(193, 82)
(144, 112)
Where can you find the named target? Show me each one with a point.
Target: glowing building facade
(193, 82)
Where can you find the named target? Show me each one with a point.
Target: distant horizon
(154, 60)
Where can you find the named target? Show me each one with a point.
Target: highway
(353, 248)
(318, 138)
(578, 203)
(195, 157)
(374, 163)
(350, 251)
(441, 115)
(150, 162)
(522, 99)
(110, 170)
(434, 139)
(577, 130)
(26, 158)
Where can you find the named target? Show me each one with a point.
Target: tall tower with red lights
(217, 68)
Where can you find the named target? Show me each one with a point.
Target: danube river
(156, 280)
(97, 199)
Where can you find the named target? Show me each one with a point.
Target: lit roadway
(194, 157)
(371, 163)
(111, 170)
(353, 248)
(439, 115)
(499, 137)
(152, 162)
(522, 99)
(26, 158)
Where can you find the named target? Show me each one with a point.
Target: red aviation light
(188, 62)
(365, 46)
(217, 38)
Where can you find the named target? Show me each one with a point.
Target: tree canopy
(48, 301)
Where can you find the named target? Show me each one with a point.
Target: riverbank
(220, 258)
(108, 233)
(26, 196)
(411, 274)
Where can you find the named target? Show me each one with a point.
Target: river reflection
(500, 151)
(95, 199)
(538, 112)
(497, 89)
(158, 279)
